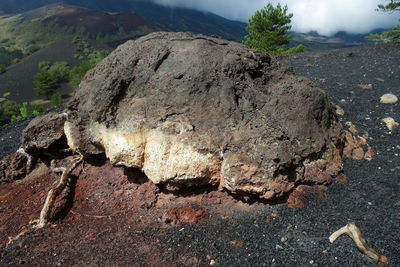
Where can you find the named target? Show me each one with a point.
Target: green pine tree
(267, 30)
(45, 84)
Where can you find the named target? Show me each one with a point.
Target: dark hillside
(93, 21)
(315, 42)
(17, 6)
(43, 26)
(173, 19)
(182, 19)
(18, 79)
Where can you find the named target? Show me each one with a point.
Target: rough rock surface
(43, 132)
(189, 110)
(13, 167)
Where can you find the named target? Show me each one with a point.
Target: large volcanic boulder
(190, 110)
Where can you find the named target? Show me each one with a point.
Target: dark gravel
(371, 200)
(10, 136)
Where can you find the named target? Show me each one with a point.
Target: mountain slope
(94, 22)
(18, 79)
(172, 19)
(41, 27)
(183, 19)
(314, 42)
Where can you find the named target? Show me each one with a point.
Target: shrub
(59, 71)
(9, 109)
(55, 100)
(45, 84)
(2, 68)
(31, 49)
(28, 109)
(44, 65)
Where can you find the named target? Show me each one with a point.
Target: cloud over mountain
(324, 16)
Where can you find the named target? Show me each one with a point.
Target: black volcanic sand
(249, 237)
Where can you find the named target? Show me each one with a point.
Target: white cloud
(324, 16)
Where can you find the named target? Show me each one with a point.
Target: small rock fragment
(390, 123)
(284, 239)
(279, 247)
(389, 99)
(236, 244)
(339, 111)
(352, 127)
(365, 86)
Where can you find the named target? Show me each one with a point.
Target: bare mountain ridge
(93, 21)
(170, 19)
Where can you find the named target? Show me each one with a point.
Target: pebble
(389, 99)
(365, 86)
(339, 111)
(390, 123)
(279, 247)
(284, 239)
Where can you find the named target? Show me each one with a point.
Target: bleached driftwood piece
(352, 230)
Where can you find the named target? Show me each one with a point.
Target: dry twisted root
(355, 234)
(54, 192)
(29, 159)
(51, 196)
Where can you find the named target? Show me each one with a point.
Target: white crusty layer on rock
(161, 156)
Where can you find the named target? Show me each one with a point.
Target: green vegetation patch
(7, 56)
(267, 31)
(50, 76)
(88, 57)
(11, 111)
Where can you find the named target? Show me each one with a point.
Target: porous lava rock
(192, 110)
(13, 167)
(43, 133)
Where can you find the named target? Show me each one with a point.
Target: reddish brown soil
(104, 205)
(112, 210)
(183, 214)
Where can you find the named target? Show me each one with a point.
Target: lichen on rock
(192, 110)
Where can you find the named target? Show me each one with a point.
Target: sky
(324, 16)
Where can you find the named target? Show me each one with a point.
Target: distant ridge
(93, 21)
(167, 18)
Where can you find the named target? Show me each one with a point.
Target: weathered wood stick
(355, 234)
